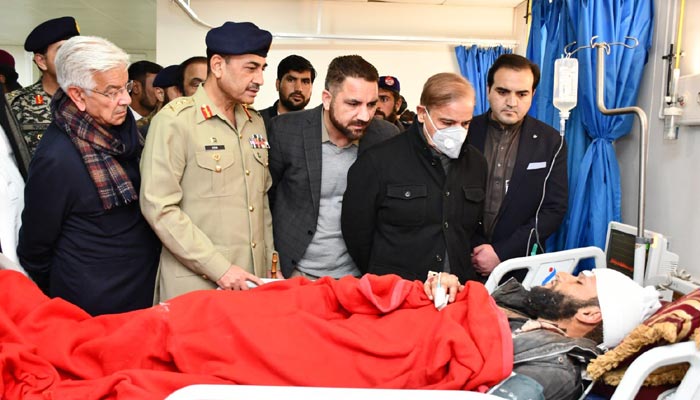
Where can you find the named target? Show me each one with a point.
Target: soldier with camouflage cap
(31, 105)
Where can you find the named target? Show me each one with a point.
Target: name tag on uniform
(35, 127)
(537, 165)
(259, 142)
(214, 147)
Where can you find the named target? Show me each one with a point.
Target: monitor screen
(620, 251)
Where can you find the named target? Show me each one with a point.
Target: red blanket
(372, 332)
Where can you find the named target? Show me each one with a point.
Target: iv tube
(564, 99)
(565, 88)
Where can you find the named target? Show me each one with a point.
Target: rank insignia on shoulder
(247, 113)
(206, 112)
(259, 142)
(38, 100)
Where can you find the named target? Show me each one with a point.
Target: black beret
(51, 31)
(167, 77)
(234, 38)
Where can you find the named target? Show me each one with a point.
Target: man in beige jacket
(205, 173)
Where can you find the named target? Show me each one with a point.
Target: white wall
(29, 73)
(178, 37)
(673, 167)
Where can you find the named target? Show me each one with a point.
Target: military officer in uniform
(165, 86)
(31, 105)
(205, 173)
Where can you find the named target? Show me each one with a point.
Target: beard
(145, 103)
(354, 130)
(290, 105)
(551, 305)
(390, 118)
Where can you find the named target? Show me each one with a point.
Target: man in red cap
(31, 104)
(8, 75)
(390, 101)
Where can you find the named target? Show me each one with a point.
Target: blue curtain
(550, 31)
(474, 63)
(594, 177)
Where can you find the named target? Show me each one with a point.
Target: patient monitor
(619, 253)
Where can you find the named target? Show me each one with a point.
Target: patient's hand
(235, 279)
(448, 281)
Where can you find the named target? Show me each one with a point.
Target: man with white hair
(83, 237)
(557, 328)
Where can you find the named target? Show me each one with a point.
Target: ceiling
(131, 24)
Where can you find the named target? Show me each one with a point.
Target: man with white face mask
(413, 202)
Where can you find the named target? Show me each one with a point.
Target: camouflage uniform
(31, 107)
(145, 122)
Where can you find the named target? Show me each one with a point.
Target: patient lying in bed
(369, 332)
(556, 327)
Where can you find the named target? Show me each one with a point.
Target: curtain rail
(185, 6)
(424, 39)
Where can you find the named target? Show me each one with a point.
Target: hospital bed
(627, 390)
(228, 392)
(541, 268)
(689, 387)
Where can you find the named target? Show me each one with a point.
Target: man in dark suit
(310, 154)
(527, 190)
(83, 237)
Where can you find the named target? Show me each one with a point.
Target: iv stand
(640, 241)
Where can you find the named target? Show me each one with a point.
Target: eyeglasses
(115, 93)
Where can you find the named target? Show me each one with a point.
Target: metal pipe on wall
(640, 241)
(185, 6)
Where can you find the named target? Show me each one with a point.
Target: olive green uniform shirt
(204, 191)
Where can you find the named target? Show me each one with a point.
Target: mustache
(253, 86)
(358, 123)
(298, 94)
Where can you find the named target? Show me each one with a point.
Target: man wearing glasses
(83, 237)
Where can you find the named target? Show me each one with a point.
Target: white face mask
(448, 140)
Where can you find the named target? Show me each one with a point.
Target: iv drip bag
(565, 85)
